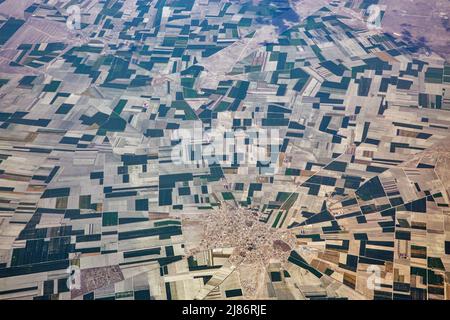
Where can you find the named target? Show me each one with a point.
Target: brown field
(423, 21)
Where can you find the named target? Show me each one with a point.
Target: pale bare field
(423, 19)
